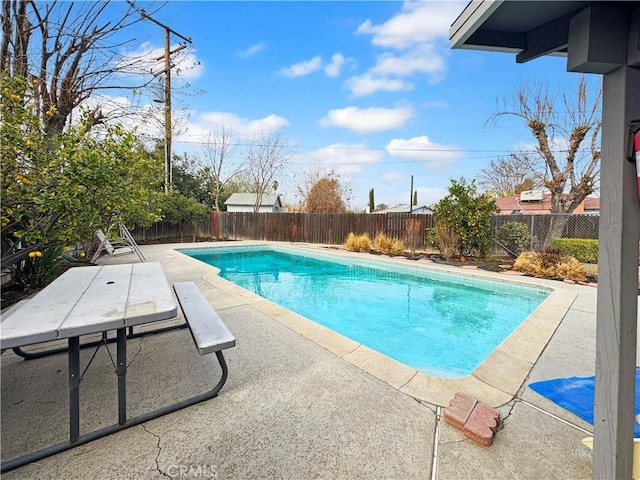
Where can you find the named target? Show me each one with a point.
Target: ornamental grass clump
(387, 245)
(446, 240)
(358, 243)
(550, 263)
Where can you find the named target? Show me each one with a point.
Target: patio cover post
(598, 37)
(616, 329)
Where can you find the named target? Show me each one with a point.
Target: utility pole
(168, 171)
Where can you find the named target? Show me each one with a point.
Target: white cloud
(418, 22)
(252, 50)
(337, 61)
(367, 84)
(239, 125)
(422, 59)
(332, 69)
(437, 157)
(392, 177)
(302, 68)
(367, 120)
(418, 37)
(346, 159)
(144, 60)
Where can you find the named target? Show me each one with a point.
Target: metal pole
(121, 370)
(74, 388)
(167, 110)
(531, 235)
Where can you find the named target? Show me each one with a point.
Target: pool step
(478, 421)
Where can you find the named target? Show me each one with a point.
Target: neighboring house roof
(404, 209)
(592, 204)
(249, 199)
(514, 205)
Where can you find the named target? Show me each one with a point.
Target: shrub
(468, 214)
(39, 269)
(415, 234)
(550, 256)
(357, 243)
(527, 262)
(387, 245)
(514, 236)
(584, 250)
(446, 240)
(571, 269)
(550, 263)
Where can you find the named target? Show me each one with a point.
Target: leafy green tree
(59, 188)
(183, 211)
(468, 215)
(194, 180)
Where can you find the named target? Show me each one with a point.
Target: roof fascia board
(474, 15)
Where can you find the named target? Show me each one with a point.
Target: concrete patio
(297, 405)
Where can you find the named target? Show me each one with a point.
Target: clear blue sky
(370, 89)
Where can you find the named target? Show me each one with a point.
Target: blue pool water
(439, 323)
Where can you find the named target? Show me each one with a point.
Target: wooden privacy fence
(333, 228)
(329, 228)
(163, 232)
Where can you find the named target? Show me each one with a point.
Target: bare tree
(267, 155)
(219, 151)
(509, 176)
(570, 173)
(69, 51)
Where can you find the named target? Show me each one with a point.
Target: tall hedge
(584, 250)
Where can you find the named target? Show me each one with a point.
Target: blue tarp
(576, 394)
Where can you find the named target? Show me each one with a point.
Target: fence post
(531, 235)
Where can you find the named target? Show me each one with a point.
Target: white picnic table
(86, 300)
(89, 300)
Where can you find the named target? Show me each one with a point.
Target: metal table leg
(74, 389)
(122, 375)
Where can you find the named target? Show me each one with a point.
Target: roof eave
(471, 18)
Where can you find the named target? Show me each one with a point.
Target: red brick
(459, 409)
(482, 424)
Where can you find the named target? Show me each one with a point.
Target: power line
(384, 149)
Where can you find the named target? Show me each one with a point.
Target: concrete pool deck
(303, 402)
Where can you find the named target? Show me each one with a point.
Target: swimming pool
(439, 323)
